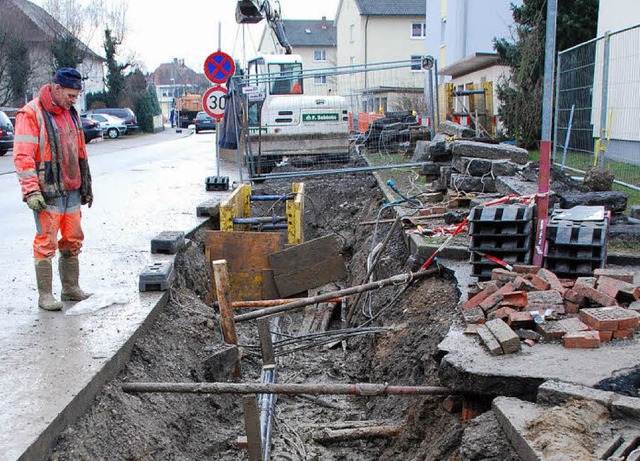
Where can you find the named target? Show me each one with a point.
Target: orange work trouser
(61, 214)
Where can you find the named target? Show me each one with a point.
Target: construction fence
(597, 106)
(320, 120)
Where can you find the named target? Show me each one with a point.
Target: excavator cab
(248, 12)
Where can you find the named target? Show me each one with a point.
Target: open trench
(156, 426)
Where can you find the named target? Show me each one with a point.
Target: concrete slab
(515, 416)
(467, 366)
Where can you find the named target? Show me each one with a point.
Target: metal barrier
(327, 120)
(596, 105)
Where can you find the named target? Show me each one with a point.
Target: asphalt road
(143, 185)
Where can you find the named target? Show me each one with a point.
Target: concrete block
(490, 342)
(449, 128)
(588, 339)
(420, 152)
(528, 334)
(490, 151)
(431, 170)
(509, 341)
(587, 281)
(168, 242)
(472, 183)
(620, 274)
(634, 212)
(156, 276)
(625, 406)
(515, 416)
(552, 393)
(220, 366)
(208, 208)
(614, 201)
(483, 167)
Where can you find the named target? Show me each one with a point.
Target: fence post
(604, 102)
(554, 158)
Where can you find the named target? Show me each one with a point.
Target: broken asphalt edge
(82, 401)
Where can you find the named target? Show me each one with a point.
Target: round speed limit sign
(214, 101)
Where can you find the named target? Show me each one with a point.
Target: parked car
(126, 114)
(91, 128)
(113, 126)
(6, 134)
(204, 121)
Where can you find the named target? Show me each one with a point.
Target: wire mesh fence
(297, 121)
(597, 102)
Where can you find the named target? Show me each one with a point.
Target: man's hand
(88, 200)
(36, 202)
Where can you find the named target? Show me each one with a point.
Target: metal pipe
(342, 171)
(265, 198)
(260, 220)
(361, 389)
(395, 280)
(467, 92)
(273, 302)
(274, 226)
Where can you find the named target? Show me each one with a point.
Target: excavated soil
(154, 426)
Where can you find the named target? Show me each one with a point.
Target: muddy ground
(144, 427)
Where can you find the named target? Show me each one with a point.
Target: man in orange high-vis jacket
(50, 156)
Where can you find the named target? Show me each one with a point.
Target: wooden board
(308, 265)
(246, 254)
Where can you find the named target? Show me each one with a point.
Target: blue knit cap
(68, 78)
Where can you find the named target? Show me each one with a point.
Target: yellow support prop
(295, 212)
(237, 205)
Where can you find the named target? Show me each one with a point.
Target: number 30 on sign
(214, 101)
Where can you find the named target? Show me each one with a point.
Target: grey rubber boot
(44, 279)
(69, 273)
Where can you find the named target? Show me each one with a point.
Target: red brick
(571, 308)
(622, 291)
(496, 297)
(594, 295)
(529, 342)
(538, 282)
(567, 283)
(605, 336)
(573, 296)
(623, 334)
(582, 340)
(484, 294)
(474, 315)
(520, 319)
(471, 408)
(432, 210)
(503, 275)
(452, 404)
(501, 313)
(552, 279)
(609, 318)
(620, 274)
(515, 298)
(525, 269)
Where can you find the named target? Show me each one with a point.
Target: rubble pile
(531, 304)
(396, 131)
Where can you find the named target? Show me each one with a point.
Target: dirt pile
(121, 426)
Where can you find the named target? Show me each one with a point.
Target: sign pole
(217, 150)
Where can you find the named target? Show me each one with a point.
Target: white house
(382, 31)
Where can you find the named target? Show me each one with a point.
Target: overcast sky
(161, 30)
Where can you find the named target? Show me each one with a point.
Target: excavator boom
(254, 11)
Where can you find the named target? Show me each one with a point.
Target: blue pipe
(266, 198)
(261, 220)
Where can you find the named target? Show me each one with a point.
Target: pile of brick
(532, 304)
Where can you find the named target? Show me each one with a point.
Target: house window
(416, 62)
(320, 80)
(320, 55)
(352, 33)
(418, 30)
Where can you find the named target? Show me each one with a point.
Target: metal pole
(217, 149)
(362, 389)
(556, 117)
(435, 89)
(566, 139)
(545, 143)
(605, 99)
(431, 105)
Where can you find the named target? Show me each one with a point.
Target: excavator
(283, 122)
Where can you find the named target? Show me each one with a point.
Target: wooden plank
(252, 426)
(266, 344)
(308, 265)
(269, 288)
(246, 254)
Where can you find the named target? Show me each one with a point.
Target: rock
(472, 183)
(490, 151)
(430, 169)
(613, 200)
(455, 129)
(484, 440)
(598, 179)
(420, 153)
